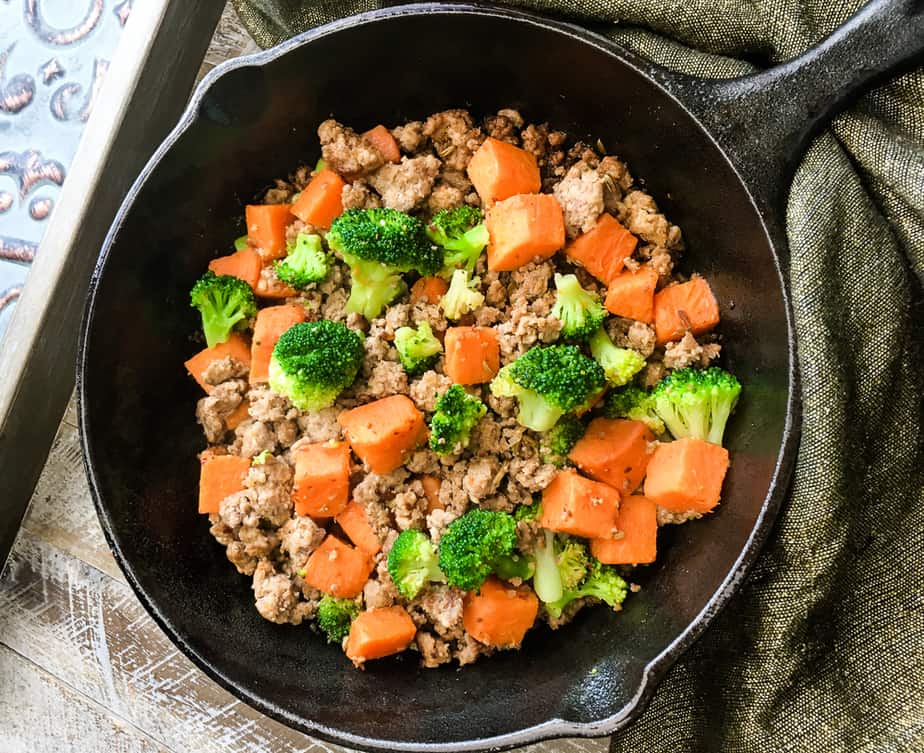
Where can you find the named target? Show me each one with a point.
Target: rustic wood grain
(83, 668)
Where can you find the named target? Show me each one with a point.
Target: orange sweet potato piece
(472, 354)
(266, 228)
(524, 228)
(238, 415)
(270, 286)
(576, 505)
(383, 433)
(603, 249)
(271, 323)
(244, 264)
(235, 346)
(355, 524)
(379, 632)
(638, 530)
(320, 202)
(614, 451)
(499, 170)
(322, 479)
(631, 294)
(499, 614)
(431, 487)
(686, 474)
(687, 306)
(219, 477)
(428, 290)
(380, 137)
(338, 569)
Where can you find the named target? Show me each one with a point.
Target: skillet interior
(137, 404)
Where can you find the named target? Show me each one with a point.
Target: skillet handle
(764, 121)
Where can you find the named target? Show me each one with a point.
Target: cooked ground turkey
(502, 468)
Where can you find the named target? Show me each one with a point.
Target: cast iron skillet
(716, 155)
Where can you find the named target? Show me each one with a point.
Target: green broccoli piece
(561, 564)
(313, 362)
(462, 235)
(412, 563)
(602, 582)
(635, 404)
(321, 164)
(463, 295)
(379, 245)
(476, 545)
(558, 441)
(528, 512)
(549, 382)
(619, 364)
(307, 262)
(225, 303)
(418, 348)
(572, 559)
(335, 617)
(456, 414)
(580, 312)
(241, 243)
(696, 403)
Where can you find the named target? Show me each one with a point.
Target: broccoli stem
(547, 580)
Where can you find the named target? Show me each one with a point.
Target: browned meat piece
(443, 607)
(580, 194)
(266, 405)
(616, 182)
(410, 136)
(255, 437)
(482, 477)
(641, 337)
(536, 141)
(409, 507)
(444, 196)
(433, 651)
(387, 378)
(277, 597)
(405, 185)
(423, 461)
(644, 219)
(347, 153)
(224, 369)
(299, 537)
(425, 390)
(502, 128)
(652, 374)
(688, 352)
(280, 193)
(668, 517)
(454, 137)
(437, 522)
(334, 307)
(212, 410)
(453, 496)
(531, 473)
(522, 330)
(469, 650)
(358, 195)
(530, 281)
(660, 260)
(495, 293)
(319, 426)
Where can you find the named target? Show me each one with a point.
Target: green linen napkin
(822, 649)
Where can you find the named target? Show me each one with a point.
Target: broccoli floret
(463, 295)
(379, 245)
(462, 235)
(321, 164)
(225, 303)
(528, 512)
(241, 243)
(572, 559)
(636, 404)
(313, 362)
(602, 582)
(456, 414)
(619, 364)
(556, 443)
(696, 403)
(412, 563)
(580, 312)
(561, 564)
(307, 262)
(549, 382)
(335, 617)
(418, 348)
(473, 547)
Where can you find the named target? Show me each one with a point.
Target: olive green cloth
(822, 650)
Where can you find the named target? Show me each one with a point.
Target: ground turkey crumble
(502, 468)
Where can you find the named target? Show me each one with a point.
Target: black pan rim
(658, 666)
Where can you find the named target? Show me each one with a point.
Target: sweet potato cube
(338, 569)
(614, 451)
(236, 346)
(219, 477)
(499, 170)
(603, 249)
(638, 534)
(266, 228)
(322, 479)
(320, 202)
(431, 486)
(355, 524)
(429, 290)
(689, 306)
(472, 354)
(271, 322)
(383, 433)
(631, 294)
(244, 264)
(499, 614)
(686, 474)
(523, 229)
(380, 137)
(576, 505)
(379, 632)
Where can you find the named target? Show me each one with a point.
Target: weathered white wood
(39, 714)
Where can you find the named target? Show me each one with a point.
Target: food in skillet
(454, 387)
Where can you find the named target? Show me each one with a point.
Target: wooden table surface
(83, 668)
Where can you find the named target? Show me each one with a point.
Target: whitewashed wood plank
(230, 41)
(39, 714)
